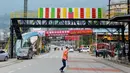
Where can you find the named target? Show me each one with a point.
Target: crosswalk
(58, 54)
(46, 56)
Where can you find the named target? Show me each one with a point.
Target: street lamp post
(25, 8)
(109, 11)
(128, 8)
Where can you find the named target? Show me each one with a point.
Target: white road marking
(24, 66)
(11, 71)
(43, 56)
(19, 68)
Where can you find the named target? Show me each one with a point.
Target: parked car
(85, 50)
(100, 52)
(71, 50)
(4, 56)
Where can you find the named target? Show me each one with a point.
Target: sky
(8, 6)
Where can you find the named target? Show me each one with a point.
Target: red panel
(46, 12)
(93, 12)
(81, 12)
(58, 12)
(70, 14)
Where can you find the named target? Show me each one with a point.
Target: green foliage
(86, 40)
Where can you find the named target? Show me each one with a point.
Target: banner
(72, 38)
(68, 32)
(81, 32)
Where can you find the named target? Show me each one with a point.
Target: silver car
(3, 56)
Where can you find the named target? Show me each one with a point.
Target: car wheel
(18, 58)
(6, 58)
(31, 56)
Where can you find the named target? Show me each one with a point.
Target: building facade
(117, 7)
(20, 14)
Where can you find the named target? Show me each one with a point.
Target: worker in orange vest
(64, 59)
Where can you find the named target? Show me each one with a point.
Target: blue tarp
(29, 35)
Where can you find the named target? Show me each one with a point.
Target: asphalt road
(51, 62)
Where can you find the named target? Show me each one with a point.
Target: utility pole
(128, 12)
(25, 8)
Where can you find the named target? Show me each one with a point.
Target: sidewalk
(84, 63)
(123, 62)
(123, 68)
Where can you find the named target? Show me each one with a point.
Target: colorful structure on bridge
(70, 13)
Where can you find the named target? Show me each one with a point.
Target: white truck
(25, 48)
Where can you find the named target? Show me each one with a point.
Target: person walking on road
(96, 51)
(64, 59)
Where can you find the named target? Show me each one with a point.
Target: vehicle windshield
(2, 51)
(27, 44)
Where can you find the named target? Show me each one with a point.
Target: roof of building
(125, 18)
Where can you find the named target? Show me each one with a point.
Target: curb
(111, 64)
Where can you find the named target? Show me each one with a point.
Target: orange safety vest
(65, 54)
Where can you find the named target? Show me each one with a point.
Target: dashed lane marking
(19, 68)
(11, 71)
(24, 66)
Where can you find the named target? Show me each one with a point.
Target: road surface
(51, 62)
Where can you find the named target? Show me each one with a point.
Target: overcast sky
(7, 6)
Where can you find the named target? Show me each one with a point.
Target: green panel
(99, 13)
(70, 10)
(41, 12)
(52, 12)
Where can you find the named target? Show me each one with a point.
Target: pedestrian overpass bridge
(18, 23)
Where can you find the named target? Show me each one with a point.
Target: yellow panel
(38, 12)
(11, 15)
(76, 15)
(87, 12)
(64, 13)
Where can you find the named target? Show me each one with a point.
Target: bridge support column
(12, 39)
(118, 45)
(123, 43)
